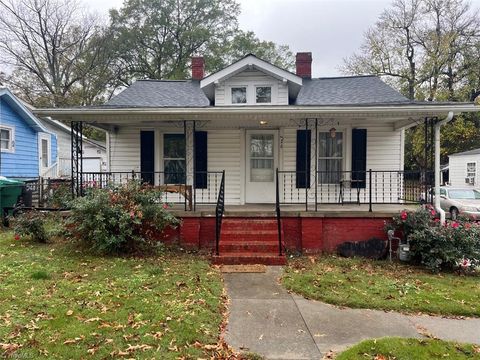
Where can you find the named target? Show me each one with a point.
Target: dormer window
(263, 94)
(239, 95)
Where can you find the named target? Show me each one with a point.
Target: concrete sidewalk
(266, 319)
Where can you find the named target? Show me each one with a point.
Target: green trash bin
(10, 190)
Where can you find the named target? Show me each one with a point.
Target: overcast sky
(330, 29)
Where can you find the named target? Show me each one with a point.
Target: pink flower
(433, 212)
(455, 224)
(132, 214)
(165, 206)
(403, 215)
(16, 237)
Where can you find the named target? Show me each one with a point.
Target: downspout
(438, 126)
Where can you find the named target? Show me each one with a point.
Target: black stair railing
(277, 212)
(219, 210)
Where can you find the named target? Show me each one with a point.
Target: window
(6, 139)
(261, 158)
(471, 170)
(174, 158)
(263, 94)
(239, 95)
(330, 157)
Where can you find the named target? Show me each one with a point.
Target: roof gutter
(414, 109)
(438, 126)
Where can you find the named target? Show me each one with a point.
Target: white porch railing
(50, 172)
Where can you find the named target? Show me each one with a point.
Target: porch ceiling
(401, 116)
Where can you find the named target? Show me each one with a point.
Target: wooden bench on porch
(182, 189)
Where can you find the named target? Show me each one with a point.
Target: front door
(261, 162)
(44, 152)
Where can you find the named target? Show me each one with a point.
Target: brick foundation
(303, 234)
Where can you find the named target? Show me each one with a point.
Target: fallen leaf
(92, 320)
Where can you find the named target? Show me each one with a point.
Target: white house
(94, 152)
(464, 169)
(251, 118)
(253, 137)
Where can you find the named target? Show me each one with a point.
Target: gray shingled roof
(161, 93)
(351, 90)
(469, 152)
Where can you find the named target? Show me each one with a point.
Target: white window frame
(343, 158)
(255, 94)
(231, 87)
(11, 130)
(474, 176)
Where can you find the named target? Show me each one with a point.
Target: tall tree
(156, 38)
(429, 50)
(245, 42)
(389, 47)
(52, 45)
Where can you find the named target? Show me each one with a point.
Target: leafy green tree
(156, 38)
(245, 42)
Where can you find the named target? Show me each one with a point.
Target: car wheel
(454, 213)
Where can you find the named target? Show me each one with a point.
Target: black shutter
(201, 164)
(147, 156)
(359, 158)
(303, 158)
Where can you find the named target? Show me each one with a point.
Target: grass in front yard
(361, 283)
(408, 349)
(56, 302)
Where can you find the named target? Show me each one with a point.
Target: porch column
(189, 131)
(76, 157)
(438, 126)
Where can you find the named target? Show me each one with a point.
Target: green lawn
(409, 349)
(360, 283)
(56, 302)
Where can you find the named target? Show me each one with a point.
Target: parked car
(460, 201)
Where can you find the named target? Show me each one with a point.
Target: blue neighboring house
(27, 148)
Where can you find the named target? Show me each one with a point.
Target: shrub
(59, 195)
(120, 220)
(31, 224)
(455, 245)
(409, 221)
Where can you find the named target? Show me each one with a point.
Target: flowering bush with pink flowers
(447, 247)
(454, 245)
(120, 220)
(408, 221)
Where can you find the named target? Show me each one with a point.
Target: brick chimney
(198, 67)
(304, 64)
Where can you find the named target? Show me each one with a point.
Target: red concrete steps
(249, 241)
(248, 246)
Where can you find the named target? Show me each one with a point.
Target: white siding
(224, 153)
(251, 79)
(125, 149)
(458, 170)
